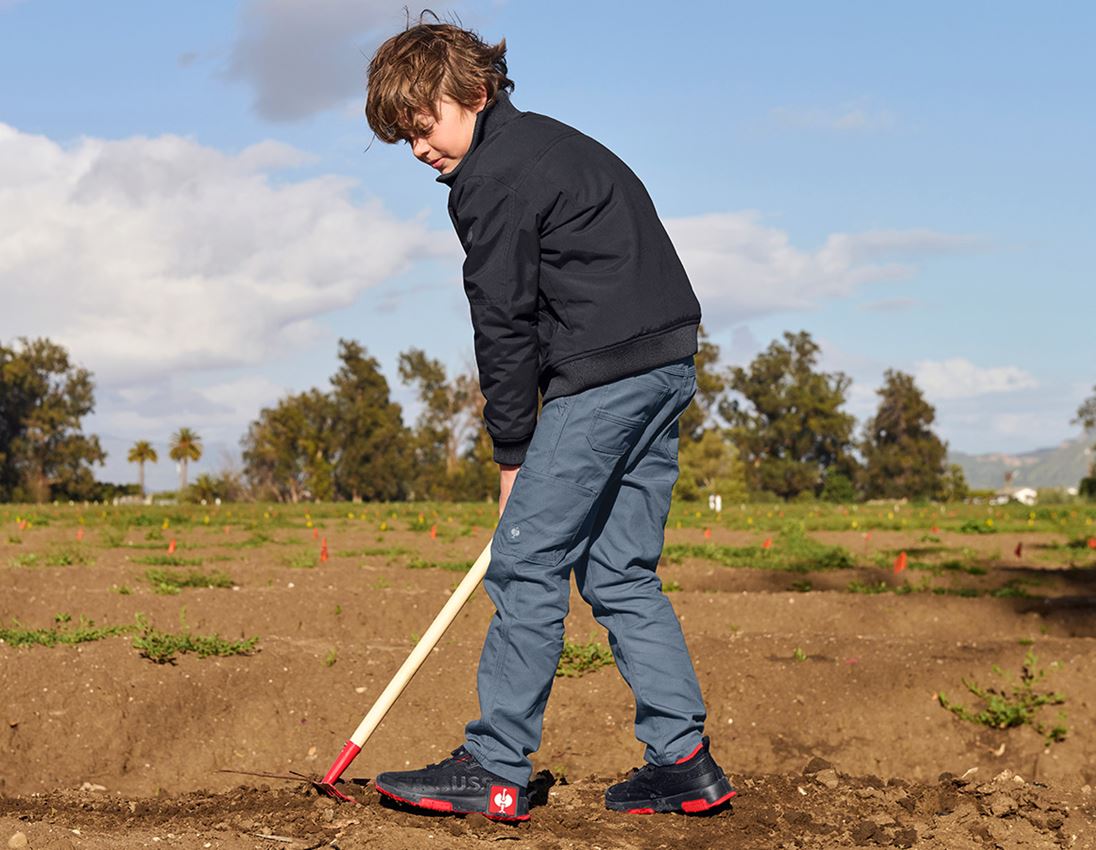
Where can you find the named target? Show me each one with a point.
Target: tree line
(774, 428)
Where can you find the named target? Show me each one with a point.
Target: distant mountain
(1062, 466)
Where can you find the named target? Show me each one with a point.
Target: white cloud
(302, 58)
(959, 378)
(853, 116)
(147, 256)
(742, 269)
(890, 305)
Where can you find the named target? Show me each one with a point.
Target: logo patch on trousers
(503, 800)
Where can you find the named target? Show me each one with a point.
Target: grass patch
(580, 658)
(162, 647)
(169, 582)
(671, 586)
(1016, 703)
(303, 560)
(973, 526)
(84, 631)
(794, 553)
(68, 556)
(168, 561)
(451, 566)
(374, 552)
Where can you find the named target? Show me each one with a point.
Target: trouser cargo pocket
(543, 530)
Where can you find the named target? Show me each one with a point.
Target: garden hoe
(395, 687)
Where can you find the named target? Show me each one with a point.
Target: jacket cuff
(512, 454)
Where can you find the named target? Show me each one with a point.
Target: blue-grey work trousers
(592, 496)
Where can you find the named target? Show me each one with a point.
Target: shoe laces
(459, 755)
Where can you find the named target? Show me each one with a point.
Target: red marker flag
(901, 562)
(433, 532)
(768, 544)
(315, 534)
(171, 547)
(707, 534)
(323, 551)
(80, 533)
(1092, 543)
(1020, 549)
(22, 525)
(936, 529)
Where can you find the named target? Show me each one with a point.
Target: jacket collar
(488, 121)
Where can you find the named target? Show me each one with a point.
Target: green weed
(452, 566)
(170, 582)
(83, 632)
(330, 659)
(580, 658)
(168, 561)
(1016, 704)
(68, 556)
(303, 560)
(162, 647)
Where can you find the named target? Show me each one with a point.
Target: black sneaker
(458, 785)
(694, 784)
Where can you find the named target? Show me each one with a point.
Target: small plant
(168, 561)
(671, 586)
(452, 566)
(25, 559)
(972, 526)
(330, 659)
(121, 589)
(170, 582)
(68, 556)
(83, 632)
(799, 654)
(579, 658)
(860, 587)
(802, 586)
(303, 560)
(162, 647)
(1016, 704)
(381, 584)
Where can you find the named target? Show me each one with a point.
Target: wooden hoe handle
(407, 670)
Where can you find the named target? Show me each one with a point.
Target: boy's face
(442, 143)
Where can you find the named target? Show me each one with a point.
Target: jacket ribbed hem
(628, 358)
(511, 454)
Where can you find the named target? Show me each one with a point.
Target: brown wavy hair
(411, 71)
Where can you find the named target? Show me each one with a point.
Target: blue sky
(191, 202)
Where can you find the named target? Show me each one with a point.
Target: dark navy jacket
(571, 278)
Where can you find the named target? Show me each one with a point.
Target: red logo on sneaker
(503, 800)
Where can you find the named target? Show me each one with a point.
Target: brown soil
(844, 749)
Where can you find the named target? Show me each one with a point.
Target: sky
(192, 203)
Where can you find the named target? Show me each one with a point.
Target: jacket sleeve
(499, 232)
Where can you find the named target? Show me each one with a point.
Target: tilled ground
(822, 703)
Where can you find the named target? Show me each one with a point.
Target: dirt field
(821, 684)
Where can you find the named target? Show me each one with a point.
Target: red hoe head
(327, 785)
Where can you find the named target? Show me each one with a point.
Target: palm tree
(186, 446)
(141, 452)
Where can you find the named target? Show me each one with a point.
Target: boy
(574, 288)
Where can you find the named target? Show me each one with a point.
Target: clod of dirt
(1001, 805)
(827, 778)
(864, 832)
(19, 839)
(815, 765)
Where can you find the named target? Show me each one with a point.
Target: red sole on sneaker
(446, 806)
(702, 805)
